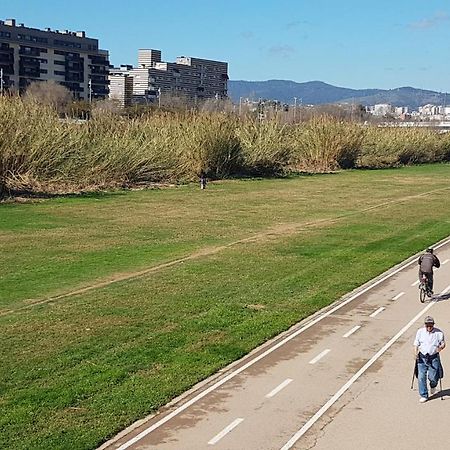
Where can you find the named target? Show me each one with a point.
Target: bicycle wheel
(422, 294)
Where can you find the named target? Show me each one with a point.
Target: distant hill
(318, 92)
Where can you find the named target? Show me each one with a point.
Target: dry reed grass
(324, 144)
(40, 152)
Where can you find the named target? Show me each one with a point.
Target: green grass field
(257, 257)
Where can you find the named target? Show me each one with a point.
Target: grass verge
(76, 371)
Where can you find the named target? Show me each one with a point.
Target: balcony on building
(98, 60)
(29, 51)
(100, 90)
(74, 77)
(72, 86)
(98, 70)
(98, 79)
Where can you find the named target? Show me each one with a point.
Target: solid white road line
(398, 296)
(375, 313)
(446, 261)
(347, 385)
(415, 283)
(225, 431)
(279, 388)
(346, 335)
(446, 290)
(320, 356)
(279, 344)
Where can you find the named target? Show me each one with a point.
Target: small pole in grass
(203, 180)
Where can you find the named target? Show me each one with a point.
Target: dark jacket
(427, 261)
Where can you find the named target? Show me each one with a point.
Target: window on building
(5, 34)
(67, 43)
(39, 39)
(27, 37)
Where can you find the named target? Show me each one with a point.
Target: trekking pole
(414, 374)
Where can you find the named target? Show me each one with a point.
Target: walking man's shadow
(443, 395)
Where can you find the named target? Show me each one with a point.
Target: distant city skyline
(350, 44)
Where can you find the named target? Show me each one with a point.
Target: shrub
(265, 146)
(41, 152)
(208, 144)
(387, 147)
(325, 143)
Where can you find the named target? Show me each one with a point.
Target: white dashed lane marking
(398, 296)
(225, 431)
(347, 385)
(415, 283)
(346, 335)
(279, 388)
(180, 409)
(375, 313)
(320, 356)
(446, 261)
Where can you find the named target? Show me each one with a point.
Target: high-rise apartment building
(191, 78)
(70, 58)
(121, 87)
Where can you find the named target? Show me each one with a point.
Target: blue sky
(350, 43)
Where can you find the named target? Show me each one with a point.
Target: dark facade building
(70, 58)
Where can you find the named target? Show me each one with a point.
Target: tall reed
(325, 143)
(34, 144)
(208, 144)
(390, 147)
(265, 147)
(41, 152)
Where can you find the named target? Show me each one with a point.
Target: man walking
(429, 342)
(426, 262)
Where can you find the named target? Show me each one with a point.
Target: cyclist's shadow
(440, 297)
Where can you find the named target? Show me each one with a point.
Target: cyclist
(426, 262)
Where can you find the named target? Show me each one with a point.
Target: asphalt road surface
(339, 380)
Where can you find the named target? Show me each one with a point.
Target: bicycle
(424, 289)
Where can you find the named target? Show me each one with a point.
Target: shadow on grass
(24, 196)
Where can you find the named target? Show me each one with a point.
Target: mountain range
(318, 92)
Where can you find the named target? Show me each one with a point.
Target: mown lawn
(74, 371)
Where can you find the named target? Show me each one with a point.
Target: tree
(216, 105)
(49, 93)
(106, 107)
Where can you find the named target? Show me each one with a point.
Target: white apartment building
(429, 110)
(191, 78)
(400, 110)
(70, 58)
(121, 88)
(382, 109)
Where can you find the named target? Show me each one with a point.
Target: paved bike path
(339, 380)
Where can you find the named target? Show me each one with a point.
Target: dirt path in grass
(280, 230)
